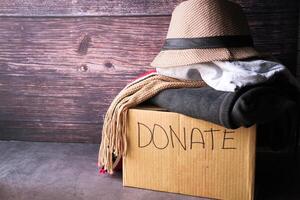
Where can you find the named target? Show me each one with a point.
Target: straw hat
(203, 31)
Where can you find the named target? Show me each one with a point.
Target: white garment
(226, 75)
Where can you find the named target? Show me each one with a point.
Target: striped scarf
(113, 144)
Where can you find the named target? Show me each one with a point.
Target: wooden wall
(62, 62)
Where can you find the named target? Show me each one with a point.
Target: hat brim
(175, 58)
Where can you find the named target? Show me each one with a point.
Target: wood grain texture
(59, 75)
(50, 131)
(125, 7)
(87, 46)
(86, 8)
(66, 71)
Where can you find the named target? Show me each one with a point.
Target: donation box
(175, 153)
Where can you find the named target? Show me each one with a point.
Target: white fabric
(226, 75)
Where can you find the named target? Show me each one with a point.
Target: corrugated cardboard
(174, 153)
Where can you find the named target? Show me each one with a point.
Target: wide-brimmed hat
(203, 31)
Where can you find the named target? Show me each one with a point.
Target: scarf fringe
(113, 144)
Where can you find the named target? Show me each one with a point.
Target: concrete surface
(54, 171)
(65, 171)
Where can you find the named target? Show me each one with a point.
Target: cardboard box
(174, 153)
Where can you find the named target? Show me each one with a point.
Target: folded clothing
(248, 106)
(259, 105)
(226, 75)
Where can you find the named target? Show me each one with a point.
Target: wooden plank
(55, 45)
(62, 73)
(124, 7)
(60, 101)
(86, 8)
(115, 45)
(50, 131)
